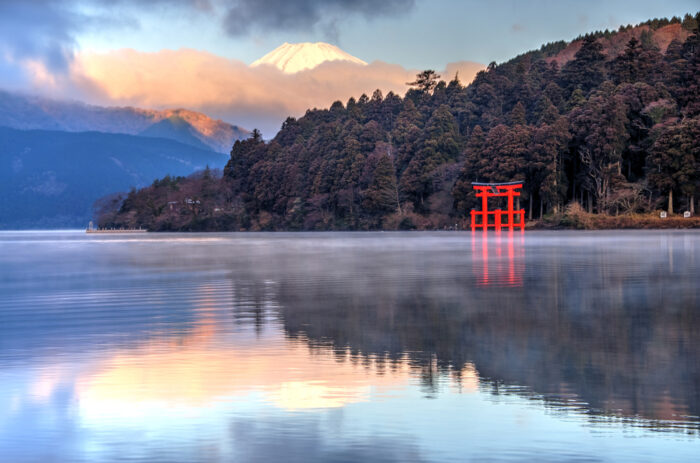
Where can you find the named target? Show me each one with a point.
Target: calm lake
(298, 347)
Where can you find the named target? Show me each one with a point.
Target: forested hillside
(610, 121)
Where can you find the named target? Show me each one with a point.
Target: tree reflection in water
(609, 331)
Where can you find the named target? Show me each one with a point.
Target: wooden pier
(117, 230)
(91, 229)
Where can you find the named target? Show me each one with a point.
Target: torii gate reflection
(506, 250)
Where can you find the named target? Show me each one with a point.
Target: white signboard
(663, 214)
(686, 214)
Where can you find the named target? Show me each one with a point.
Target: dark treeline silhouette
(609, 122)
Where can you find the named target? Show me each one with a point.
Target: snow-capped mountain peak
(294, 57)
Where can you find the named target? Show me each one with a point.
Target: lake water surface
(542, 346)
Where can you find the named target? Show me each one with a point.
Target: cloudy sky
(195, 53)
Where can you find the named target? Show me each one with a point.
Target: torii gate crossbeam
(494, 190)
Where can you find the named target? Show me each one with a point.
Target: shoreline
(586, 221)
(534, 226)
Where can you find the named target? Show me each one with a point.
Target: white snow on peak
(294, 57)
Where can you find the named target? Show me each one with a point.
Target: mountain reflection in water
(341, 347)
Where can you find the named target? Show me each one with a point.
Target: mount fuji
(291, 58)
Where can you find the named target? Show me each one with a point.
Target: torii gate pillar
(494, 190)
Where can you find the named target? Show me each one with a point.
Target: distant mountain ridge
(175, 128)
(50, 179)
(33, 112)
(291, 58)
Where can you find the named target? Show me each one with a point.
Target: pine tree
(425, 81)
(625, 68)
(600, 137)
(674, 160)
(382, 194)
(586, 70)
(517, 114)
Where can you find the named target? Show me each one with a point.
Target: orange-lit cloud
(229, 89)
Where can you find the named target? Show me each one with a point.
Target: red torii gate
(491, 190)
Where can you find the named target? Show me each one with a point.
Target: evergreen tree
(545, 111)
(517, 114)
(675, 159)
(600, 136)
(586, 70)
(425, 81)
(382, 194)
(625, 68)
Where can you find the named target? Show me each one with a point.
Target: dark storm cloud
(46, 30)
(39, 29)
(247, 16)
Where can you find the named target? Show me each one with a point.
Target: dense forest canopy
(610, 122)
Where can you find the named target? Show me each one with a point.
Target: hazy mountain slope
(33, 112)
(51, 179)
(295, 57)
(175, 128)
(216, 134)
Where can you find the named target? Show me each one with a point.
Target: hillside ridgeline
(25, 112)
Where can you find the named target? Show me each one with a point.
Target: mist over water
(547, 346)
